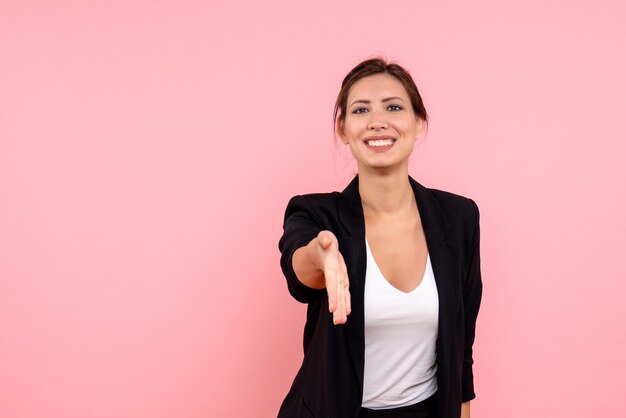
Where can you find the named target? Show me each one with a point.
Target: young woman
(390, 270)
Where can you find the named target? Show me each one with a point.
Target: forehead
(377, 86)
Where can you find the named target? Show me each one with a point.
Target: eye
(394, 108)
(359, 110)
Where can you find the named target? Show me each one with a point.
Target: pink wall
(148, 150)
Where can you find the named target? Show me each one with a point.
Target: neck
(384, 194)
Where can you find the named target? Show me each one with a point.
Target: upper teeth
(379, 142)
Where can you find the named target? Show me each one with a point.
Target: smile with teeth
(380, 142)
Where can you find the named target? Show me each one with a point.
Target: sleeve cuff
(300, 291)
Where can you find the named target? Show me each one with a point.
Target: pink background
(148, 151)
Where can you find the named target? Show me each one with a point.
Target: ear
(420, 127)
(339, 130)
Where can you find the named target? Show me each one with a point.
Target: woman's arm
(319, 265)
(472, 295)
(465, 409)
(306, 265)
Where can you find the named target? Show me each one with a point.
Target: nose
(377, 121)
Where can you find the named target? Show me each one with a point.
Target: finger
(348, 301)
(342, 294)
(346, 288)
(331, 289)
(345, 294)
(339, 315)
(343, 301)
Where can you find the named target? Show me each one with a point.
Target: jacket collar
(351, 215)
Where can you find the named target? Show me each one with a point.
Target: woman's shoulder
(449, 198)
(319, 206)
(446, 199)
(455, 205)
(313, 200)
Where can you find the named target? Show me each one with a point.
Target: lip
(375, 137)
(379, 149)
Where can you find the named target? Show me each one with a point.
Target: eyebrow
(387, 99)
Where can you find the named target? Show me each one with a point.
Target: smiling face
(379, 123)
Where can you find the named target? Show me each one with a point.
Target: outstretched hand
(335, 276)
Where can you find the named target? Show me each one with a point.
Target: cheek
(353, 128)
(409, 127)
(351, 131)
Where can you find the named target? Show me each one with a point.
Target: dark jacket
(329, 383)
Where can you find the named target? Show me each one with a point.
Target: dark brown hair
(373, 66)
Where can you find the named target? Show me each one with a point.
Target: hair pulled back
(373, 66)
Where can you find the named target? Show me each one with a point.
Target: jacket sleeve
(299, 228)
(472, 294)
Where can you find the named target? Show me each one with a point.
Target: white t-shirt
(400, 340)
